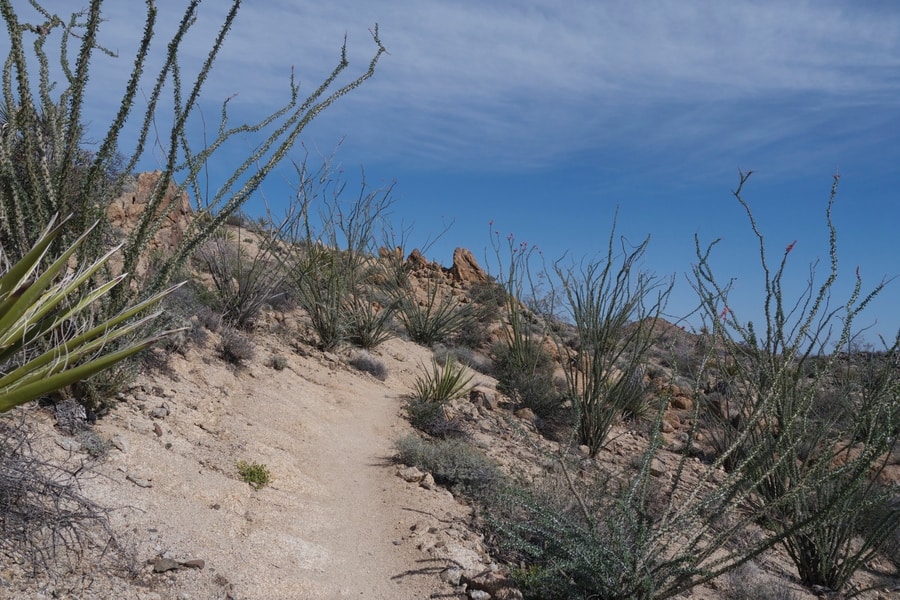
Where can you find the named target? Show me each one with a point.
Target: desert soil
(336, 522)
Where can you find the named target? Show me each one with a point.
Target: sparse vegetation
(614, 308)
(369, 364)
(235, 347)
(45, 169)
(453, 463)
(437, 318)
(47, 524)
(254, 473)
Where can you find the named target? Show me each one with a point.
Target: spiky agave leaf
(33, 307)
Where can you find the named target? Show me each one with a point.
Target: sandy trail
(335, 521)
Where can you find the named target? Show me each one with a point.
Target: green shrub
(443, 383)
(256, 474)
(437, 319)
(526, 373)
(452, 463)
(369, 324)
(278, 362)
(614, 309)
(810, 468)
(244, 280)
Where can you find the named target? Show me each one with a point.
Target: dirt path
(335, 521)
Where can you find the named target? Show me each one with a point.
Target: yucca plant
(42, 349)
(443, 383)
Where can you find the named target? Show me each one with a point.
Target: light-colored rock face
(125, 211)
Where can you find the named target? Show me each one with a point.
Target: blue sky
(546, 116)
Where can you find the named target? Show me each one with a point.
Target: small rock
(141, 397)
(584, 450)
(526, 414)
(139, 481)
(119, 442)
(157, 430)
(484, 397)
(428, 482)
(657, 467)
(159, 412)
(411, 474)
(194, 563)
(478, 595)
(451, 575)
(161, 565)
(487, 582)
(681, 403)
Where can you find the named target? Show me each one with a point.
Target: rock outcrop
(125, 211)
(466, 269)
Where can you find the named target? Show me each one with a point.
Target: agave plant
(42, 303)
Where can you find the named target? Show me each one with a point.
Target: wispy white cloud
(512, 85)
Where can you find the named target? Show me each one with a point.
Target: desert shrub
(369, 323)
(245, 279)
(426, 406)
(746, 583)
(490, 296)
(369, 364)
(452, 463)
(46, 523)
(333, 267)
(442, 383)
(278, 362)
(671, 523)
(437, 318)
(235, 347)
(256, 474)
(525, 372)
(464, 355)
(325, 281)
(431, 418)
(614, 308)
(94, 444)
(811, 470)
(598, 549)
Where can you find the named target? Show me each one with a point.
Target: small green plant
(442, 383)
(256, 474)
(93, 443)
(278, 362)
